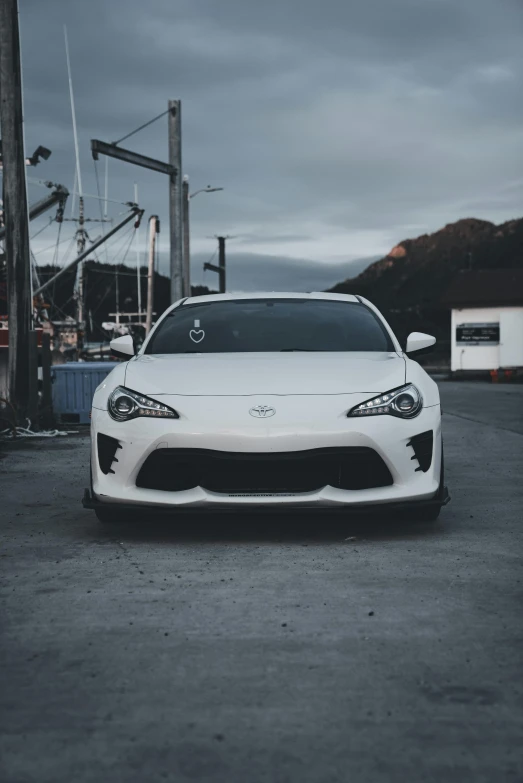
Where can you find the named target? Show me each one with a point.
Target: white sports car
(268, 401)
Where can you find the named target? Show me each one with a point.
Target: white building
(486, 320)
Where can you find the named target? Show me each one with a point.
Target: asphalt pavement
(267, 649)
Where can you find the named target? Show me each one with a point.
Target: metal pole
(15, 208)
(32, 407)
(175, 199)
(153, 229)
(81, 241)
(186, 239)
(138, 275)
(47, 400)
(221, 263)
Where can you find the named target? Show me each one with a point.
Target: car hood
(265, 373)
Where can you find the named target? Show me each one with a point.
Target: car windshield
(255, 325)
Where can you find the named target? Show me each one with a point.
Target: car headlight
(125, 404)
(405, 402)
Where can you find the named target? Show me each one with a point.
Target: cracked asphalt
(268, 648)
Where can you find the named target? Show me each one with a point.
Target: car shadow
(268, 528)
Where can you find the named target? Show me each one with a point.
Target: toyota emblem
(262, 411)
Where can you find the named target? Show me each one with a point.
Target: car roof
(270, 295)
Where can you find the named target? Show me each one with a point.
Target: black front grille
(107, 448)
(422, 445)
(174, 470)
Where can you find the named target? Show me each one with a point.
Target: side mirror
(417, 342)
(122, 346)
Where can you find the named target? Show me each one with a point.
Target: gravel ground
(267, 649)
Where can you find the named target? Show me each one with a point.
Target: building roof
(484, 288)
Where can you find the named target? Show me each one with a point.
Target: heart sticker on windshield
(196, 335)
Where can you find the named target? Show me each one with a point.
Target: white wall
(479, 357)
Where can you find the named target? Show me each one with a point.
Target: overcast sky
(337, 128)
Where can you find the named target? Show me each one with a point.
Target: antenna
(81, 234)
(73, 113)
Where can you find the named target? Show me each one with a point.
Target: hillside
(409, 282)
(102, 282)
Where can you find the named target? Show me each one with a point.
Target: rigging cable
(145, 125)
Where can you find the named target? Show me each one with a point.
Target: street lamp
(34, 160)
(208, 189)
(186, 229)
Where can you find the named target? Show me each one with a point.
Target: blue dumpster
(73, 388)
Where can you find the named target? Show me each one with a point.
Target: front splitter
(441, 499)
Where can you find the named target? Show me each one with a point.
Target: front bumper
(387, 435)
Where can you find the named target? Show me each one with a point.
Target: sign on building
(477, 334)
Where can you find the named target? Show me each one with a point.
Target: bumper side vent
(107, 448)
(422, 445)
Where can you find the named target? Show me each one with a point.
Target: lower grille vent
(422, 445)
(173, 470)
(107, 448)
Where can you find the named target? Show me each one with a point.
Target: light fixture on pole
(186, 231)
(208, 189)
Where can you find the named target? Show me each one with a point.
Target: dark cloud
(336, 128)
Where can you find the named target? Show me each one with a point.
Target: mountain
(409, 283)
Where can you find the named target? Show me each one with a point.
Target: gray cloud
(337, 128)
(252, 272)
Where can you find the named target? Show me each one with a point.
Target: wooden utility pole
(175, 200)
(221, 264)
(15, 210)
(186, 239)
(154, 228)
